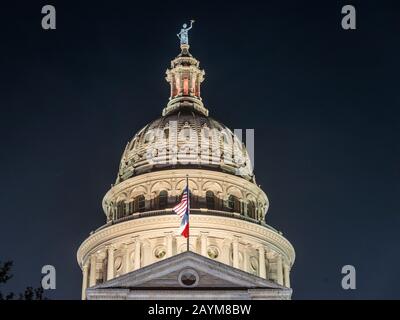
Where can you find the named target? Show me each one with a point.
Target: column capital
(271, 254)
(285, 265)
(261, 247)
(248, 246)
(236, 238)
(110, 246)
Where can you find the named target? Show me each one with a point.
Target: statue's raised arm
(183, 35)
(191, 25)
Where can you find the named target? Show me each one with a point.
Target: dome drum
(218, 192)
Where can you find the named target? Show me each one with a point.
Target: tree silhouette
(30, 293)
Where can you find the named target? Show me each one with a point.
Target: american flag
(182, 210)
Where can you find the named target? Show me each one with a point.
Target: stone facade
(188, 276)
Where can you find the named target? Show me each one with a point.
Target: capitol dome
(227, 208)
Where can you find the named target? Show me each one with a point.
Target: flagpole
(187, 186)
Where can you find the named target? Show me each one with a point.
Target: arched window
(205, 131)
(186, 85)
(231, 202)
(131, 207)
(149, 137)
(166, 133)
(120, 209)
(186, 132)
(194, 201)
(163, 199)
(141, 203)
(210, 200)
(251, 209)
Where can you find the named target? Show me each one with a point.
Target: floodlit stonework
(228, 232)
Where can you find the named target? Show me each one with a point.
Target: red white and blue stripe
(182, 210)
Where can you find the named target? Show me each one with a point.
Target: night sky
(324, 103)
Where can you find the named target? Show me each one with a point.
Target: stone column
(261, 262)
(203, 243)
(84, 280)
(169, 244)
(279, 270)
(246, 262)
(110, 262)
(235, 247)
(130, 249)
(126, 264)
(137, 254)
(226, 252)
(92, 275)
(286, 275)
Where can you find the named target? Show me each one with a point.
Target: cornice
(227, 226)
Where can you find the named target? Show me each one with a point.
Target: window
(141, 203)
(186, 132)
(210, 200)
(194, 201)
(131, 207)
(188, 278)
(231, 202)
(149, 137)
(120, 209)
(163, 199)
(251, 210)
(186, 86)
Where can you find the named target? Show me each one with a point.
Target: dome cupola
(185, 78)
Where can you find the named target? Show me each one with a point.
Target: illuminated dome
(185, 138)
(227, 207)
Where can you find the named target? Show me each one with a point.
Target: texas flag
(182, 210)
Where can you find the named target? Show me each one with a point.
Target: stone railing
(169, 211)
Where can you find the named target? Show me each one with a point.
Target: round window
(188, 278)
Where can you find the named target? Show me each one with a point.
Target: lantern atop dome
(185, 77)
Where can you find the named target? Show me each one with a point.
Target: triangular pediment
(188, 270)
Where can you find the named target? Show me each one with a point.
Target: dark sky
(324, 103)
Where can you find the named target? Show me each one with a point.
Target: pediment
(188, 270)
